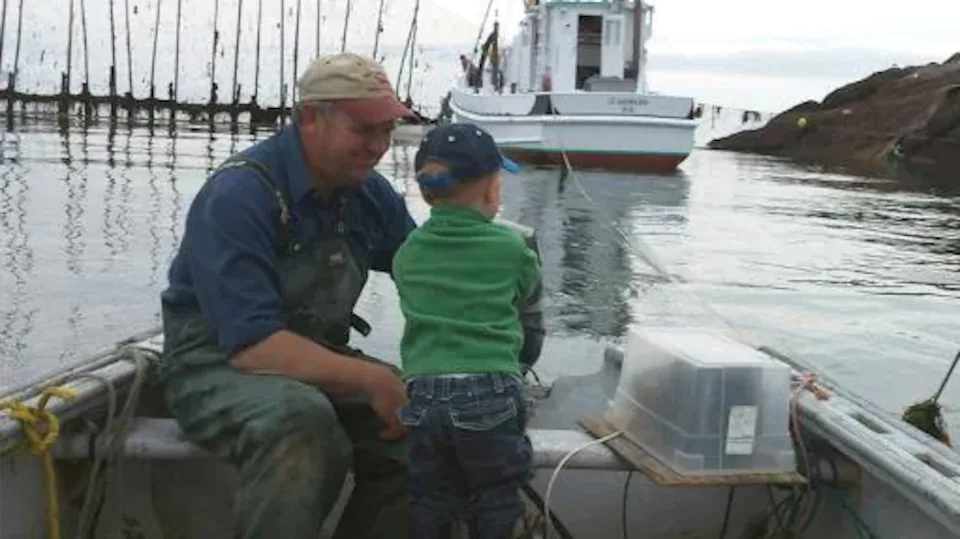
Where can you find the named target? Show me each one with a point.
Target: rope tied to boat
(41, 429)
(807, 381)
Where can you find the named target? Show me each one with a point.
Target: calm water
(859, 277)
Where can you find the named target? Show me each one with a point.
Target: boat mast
(413, 41)
(635, 62)
(408, 47)
(541, 33)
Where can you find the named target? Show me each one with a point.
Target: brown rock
(907, 116)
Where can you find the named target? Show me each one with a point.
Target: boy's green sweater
(461, 279)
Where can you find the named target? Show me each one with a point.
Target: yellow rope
(40, 431)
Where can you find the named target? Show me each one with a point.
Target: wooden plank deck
(662, 474)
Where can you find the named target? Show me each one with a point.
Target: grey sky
(808, 37)
(827, 62)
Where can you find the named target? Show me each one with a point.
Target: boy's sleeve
(397, 221)
(531, 304)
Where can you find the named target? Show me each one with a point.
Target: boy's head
(459, 164)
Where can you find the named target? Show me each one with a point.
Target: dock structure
(157, 107)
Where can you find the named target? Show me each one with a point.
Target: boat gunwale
(893, 457)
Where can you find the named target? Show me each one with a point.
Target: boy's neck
(455, 206)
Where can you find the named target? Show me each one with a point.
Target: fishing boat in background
(573, 85)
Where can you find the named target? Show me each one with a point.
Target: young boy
(463, 282)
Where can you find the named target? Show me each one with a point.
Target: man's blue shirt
(227, 261)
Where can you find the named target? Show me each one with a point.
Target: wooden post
(236, 54)
(346, 22)
(176, 57)
(296, 56)
(129, 50)
(256, 75)
(376, 38)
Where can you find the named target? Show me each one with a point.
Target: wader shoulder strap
(283, 231)
(282, 197)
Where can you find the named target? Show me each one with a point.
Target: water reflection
(154, 212)
(893, 180)
(592, 276)
(18, 313)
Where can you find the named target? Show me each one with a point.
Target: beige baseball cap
(358, 84)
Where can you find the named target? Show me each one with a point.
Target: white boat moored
(572, 87)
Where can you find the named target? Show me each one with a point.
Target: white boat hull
(587, 131)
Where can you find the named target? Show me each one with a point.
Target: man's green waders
(292, 443)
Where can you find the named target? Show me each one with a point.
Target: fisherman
(473, 78)
(256, 319)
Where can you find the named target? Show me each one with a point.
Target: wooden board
(660, 473)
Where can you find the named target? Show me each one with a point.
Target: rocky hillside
(908, 116)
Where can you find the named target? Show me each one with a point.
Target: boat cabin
(584, 45)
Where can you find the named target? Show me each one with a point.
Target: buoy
(613, 354)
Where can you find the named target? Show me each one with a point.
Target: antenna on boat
(486, 15)
(635, 59)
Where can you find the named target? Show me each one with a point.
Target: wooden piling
(376, 37)
(296, 56)
(65, 86)
(86, 43)
(113, 62)
(3, 31)
(129, 54)
(213, 53)
(153, 60)
(346, 23)
(176, 57)
(236, 55)
(12, 87)
(283, 92)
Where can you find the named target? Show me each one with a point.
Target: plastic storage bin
(704, 403)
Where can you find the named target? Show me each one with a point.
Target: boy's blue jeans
(468, 454)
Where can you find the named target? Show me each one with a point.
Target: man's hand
(387, 395)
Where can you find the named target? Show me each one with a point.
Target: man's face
(342, 149)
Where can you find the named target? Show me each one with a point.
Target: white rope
(556, 473)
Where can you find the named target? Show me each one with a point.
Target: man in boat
(472, 76)
(257, 315)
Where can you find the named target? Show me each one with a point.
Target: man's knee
(304, 433)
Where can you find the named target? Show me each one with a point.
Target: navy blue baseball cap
(465, 149)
